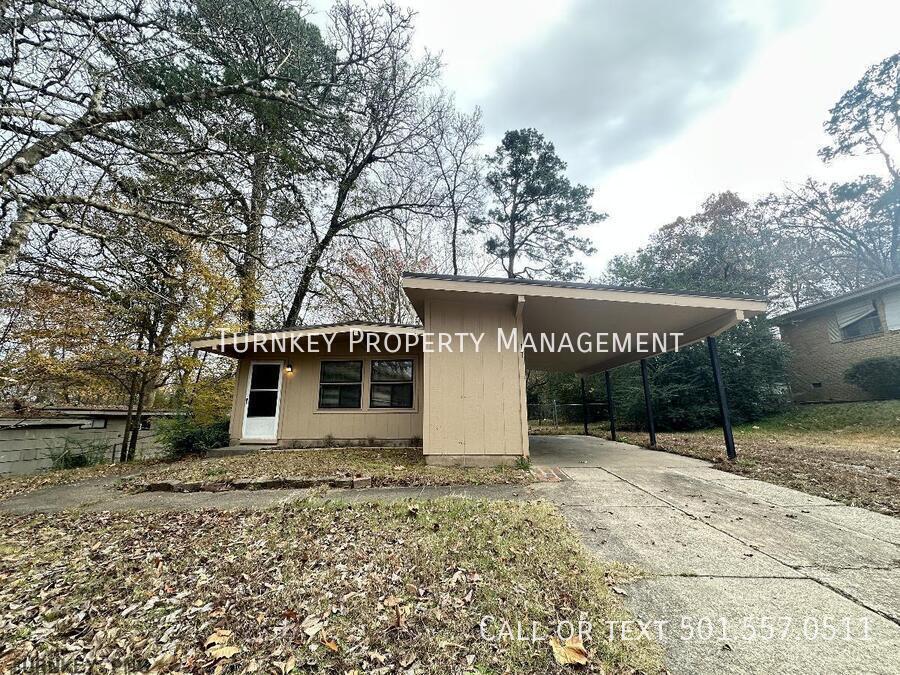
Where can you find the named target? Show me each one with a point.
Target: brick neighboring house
(830, 336)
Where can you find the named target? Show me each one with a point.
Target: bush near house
(183, 435)
(878, 376)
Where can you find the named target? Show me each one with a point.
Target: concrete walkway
(747, 576)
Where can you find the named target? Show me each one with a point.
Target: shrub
(183, 436)
(878, 376)
(76, 453)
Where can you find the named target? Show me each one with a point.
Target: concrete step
(242, 449)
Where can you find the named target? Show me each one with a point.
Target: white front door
(262, 400)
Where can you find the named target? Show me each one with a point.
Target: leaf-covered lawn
(386, 466)
(317, 586)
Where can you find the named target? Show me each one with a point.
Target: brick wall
(816, 359)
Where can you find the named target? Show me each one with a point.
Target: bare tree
(362, 279)
(76, 82)
(457, 158)
(371, 157)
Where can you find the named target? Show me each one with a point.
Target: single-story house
(30, 438)
(830, 336)
(456, 381)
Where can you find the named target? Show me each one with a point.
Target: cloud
(613, 79)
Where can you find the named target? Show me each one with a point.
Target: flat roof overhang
(237, 345)
(556, 308)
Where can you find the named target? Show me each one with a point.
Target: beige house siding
(816, 359)
(300, 421)
(30, 449)
(473, 410)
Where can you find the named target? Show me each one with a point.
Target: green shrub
(182, 436)
(878, 376)
(76, 453)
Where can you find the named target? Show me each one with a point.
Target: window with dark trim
(870, 324)
(392, 384)
(340, 384)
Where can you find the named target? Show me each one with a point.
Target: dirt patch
(316, 587)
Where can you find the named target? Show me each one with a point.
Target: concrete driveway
(746, 576)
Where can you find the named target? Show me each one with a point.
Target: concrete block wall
(816, 359)
(26, 450)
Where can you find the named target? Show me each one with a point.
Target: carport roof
(555, 308)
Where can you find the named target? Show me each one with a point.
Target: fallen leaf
(162, 663)
(219, 637)
(312, 625)
(223, 652)
(572, 652)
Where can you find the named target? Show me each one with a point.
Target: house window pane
(392, 395)
(341, 371)
(392, 371)
(392, 384)
(340, 384)
(868, 325)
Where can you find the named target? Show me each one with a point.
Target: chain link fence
(561, 418)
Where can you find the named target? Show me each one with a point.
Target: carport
(475, 409)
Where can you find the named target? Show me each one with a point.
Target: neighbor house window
(392, 384)
(870, 324)
(340, 384)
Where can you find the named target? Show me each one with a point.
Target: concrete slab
(878, 525)
(591, 475)
(736, 551)
(664, 541)
(722, 626)
(604, 493)
(774, 494)
(792, 536)
(709, 473)
(589, 451)
(877, 589)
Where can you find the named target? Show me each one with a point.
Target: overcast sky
(657, 104)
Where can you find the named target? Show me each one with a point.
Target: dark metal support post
(584, 407)
(611, 407)
(651, 425)
(724, 413)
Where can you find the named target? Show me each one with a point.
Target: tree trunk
(138, 414)
(126, 433)
(453, 242)
(895, 230)
(312, 264)
(15, 239)
(249, 269)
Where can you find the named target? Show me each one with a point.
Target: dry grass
(313, 587)
(386, 466)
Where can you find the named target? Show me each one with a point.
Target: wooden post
(724, 412)
(651, 425)
(611, 407)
